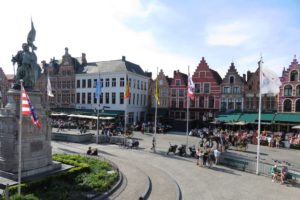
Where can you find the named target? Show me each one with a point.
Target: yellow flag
(157, 92)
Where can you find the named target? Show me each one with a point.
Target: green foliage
(23, 197)
(87, 175)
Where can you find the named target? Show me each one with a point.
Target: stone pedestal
(36, 143)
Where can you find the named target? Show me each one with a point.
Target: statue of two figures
(28, 70)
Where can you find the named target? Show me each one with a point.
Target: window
(298, 90)
(294, 75)
(122, 82)
(142, 87)
(201, 102)
(101, 82)
(177, 82)
(89, 83)
(89, 96)
(78, 84)
(211, 102)
(72, 98)
(145, 86)
(121, 97)
(231, 79)
(133, 99)
(59, 84)
(226, 90)
(236, 90)
(182, 115)
(73, 84)
(173, 92)
(107, 82)
(173, 103)
(107, 98)
(130, 82)
(138, 84)
(181, 92)
(137, 99)
(78, 98)
(95, 99)
(83, 98)
(63, 84)
(180, 103)
(113, 98)
(68, 84)
(238, 104)
(206, 88)
(134, 84)
(83, 83)
(287, 105)
(288, 90)
(223, 105)
(101, 98)
(177, 115)
(95, 83)
(297, 109)
(113, 82)
(197, 88)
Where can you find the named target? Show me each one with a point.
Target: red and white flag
(28, 109)
(191, 88)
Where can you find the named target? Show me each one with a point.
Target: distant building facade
(232, 91)
(4, 87)
(289, 96)
(113, 76)
(207, 93)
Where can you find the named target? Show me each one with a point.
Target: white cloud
(232, 34)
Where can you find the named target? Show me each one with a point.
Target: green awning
(251, 117)
(287, 117)
(267, 117)
(228, 117)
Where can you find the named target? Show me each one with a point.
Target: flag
(191, 88)
(31, 36)
(157, 92)
(28, 109)
(98, 89)
(49, 88)
(270, 82)
(127, 89)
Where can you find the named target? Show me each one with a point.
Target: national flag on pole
(28, 109)
(157, 91)
(98, 89)
(191, 88)
(270, 82)
(49, 88)
(127, 90)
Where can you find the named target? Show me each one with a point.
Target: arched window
(294, 75)
(298, 90)
(288, 90)
(298, 105)
(231, 79)
(287, 105)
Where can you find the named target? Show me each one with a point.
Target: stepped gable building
(177, 101)
(164, 89)
(232, 91)
(268, 101)
(62, 76)
(207, 93)
(113, 75)
(289, 96)
(4, 87)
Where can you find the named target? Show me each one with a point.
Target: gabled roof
(113, 66)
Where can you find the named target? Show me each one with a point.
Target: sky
(167, 35)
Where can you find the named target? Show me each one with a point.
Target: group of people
(207, 156)
(279, 174)
(92, 152)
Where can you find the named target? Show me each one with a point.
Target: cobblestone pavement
(199, 183)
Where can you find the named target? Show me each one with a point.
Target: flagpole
(20, 141)
(155, 117)
(126, 99)
(98, 105)
(187, 110)
(259, 119)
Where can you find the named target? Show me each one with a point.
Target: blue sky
(169, 34)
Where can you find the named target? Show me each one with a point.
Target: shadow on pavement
(223, 170)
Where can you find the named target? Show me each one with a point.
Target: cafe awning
(287, 117)
(228, 117)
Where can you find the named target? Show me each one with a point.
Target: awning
(296, 127)
(228, 117)
(287, 117)
(249, 117)
(90, 117)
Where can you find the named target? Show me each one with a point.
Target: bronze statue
(28, 69)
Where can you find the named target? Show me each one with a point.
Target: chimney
(123, 58)
(83, 59)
